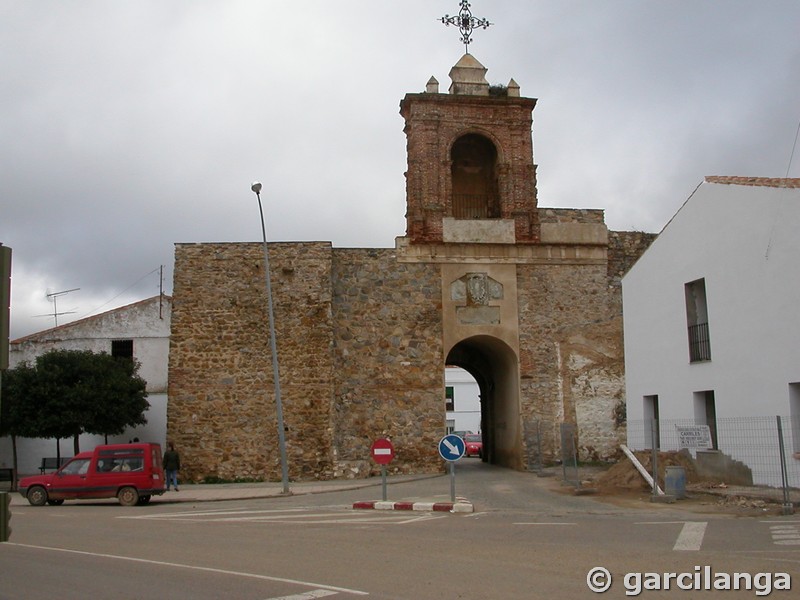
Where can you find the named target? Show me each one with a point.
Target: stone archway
(495, 367)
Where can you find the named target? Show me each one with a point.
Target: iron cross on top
(465, 23)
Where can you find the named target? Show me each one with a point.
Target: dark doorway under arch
(495, 368)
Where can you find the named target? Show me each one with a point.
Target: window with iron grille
(122, 348)
(449, 398)
(697, 321)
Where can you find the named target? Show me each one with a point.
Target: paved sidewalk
(247, 491)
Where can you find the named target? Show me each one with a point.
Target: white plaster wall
(148, 325)
(743, 241)
(467, 404)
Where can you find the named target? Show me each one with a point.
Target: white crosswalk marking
(691, 537)
(785, 535)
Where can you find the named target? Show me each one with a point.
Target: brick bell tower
(471, 176)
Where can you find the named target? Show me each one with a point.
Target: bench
(6, 480)
(51, 463)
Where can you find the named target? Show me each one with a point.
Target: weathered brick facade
(526, 299)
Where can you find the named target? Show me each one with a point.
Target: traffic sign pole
(451, 449)
(452, 481)
(382, 453)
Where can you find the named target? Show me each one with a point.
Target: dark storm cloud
(129, 126)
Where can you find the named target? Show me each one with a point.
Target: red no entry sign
(382, 451)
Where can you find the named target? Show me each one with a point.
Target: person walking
(172, 464)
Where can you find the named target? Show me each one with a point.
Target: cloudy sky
(130, 125)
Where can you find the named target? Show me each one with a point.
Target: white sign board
(694, 436)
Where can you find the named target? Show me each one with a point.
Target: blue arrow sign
(451, 447)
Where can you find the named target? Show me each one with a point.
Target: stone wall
(222, 405)
(361, 352)
(357, 335)
(624, 249)
(570, 353)
(389, 376)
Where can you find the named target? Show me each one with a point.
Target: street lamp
(256, 187)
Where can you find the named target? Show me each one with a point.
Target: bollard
(5, 516)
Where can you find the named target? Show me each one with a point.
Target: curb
(452, 507)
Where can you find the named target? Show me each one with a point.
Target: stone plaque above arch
(476, 290)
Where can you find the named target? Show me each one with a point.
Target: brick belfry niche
(526, 299)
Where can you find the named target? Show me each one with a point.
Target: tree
(70, 392)
(13, 419)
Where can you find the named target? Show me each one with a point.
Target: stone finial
(469, 77)
(432, 87)
(513, 88)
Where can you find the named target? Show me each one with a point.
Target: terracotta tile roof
(778, 182)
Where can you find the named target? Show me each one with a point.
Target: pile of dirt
(624, 475)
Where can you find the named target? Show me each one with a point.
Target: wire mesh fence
(543, 443)
(751, 452)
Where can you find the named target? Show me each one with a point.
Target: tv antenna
(53, 296)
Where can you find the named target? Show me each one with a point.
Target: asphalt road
(525, 540)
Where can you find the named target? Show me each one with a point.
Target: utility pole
(5, 312)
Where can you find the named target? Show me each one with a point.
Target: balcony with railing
(699, 343)
(473, 206)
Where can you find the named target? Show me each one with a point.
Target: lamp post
(256, 187)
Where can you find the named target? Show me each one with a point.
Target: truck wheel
(128, 496)
(37, 496)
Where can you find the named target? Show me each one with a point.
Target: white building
(712, 324)
(140, 330)
(463, 403)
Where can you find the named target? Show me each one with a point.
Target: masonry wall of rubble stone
(222, 405)
(360, 352)
(389, 376)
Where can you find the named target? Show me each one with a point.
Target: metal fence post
(569, 454)
(539, 462)
(653, 431)
(788, 507)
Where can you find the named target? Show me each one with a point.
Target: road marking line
(545, 523)
(418, 519)
(202, 513)
(783, 521)
(258, 517)
(289, 516)
(660, 523)
(196, 568)
(691, 537)
(308, 595)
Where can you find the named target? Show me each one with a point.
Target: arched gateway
(527, 299)
(494, 366)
